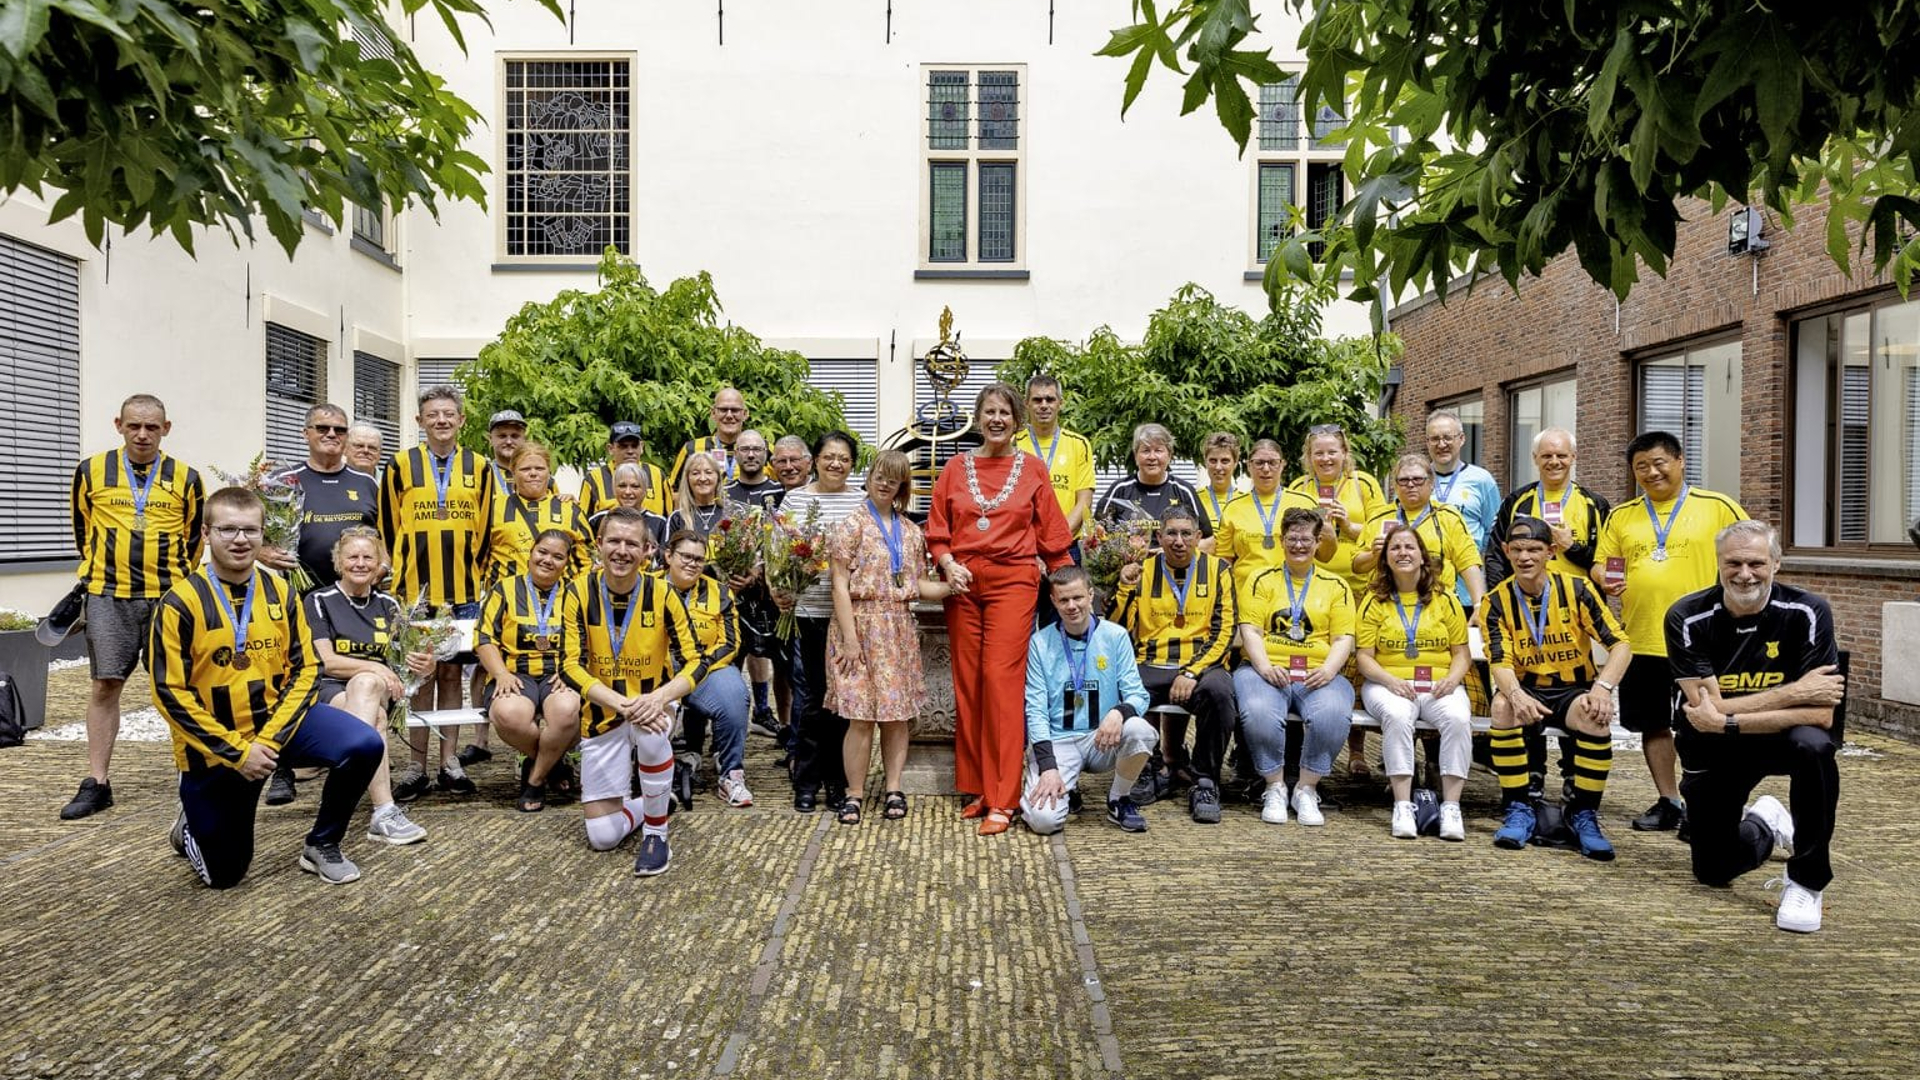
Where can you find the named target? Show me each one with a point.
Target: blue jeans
(1328, 713)
(220, 803)
(722, 702)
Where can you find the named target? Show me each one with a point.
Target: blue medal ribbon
(894, 540)
(1267, 516)
(441, 480)
(1412, 626)
(1536, 625)
(543, 612)
(144, 491)
(1415, 523)
(1076, 673)
(1660, 531)
(1215, 500)
(1178, 588)
(617, 638)
(1440, 494)
(1051, 447)
(1296, 605)
(244, 619)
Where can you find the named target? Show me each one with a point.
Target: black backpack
(13, 713)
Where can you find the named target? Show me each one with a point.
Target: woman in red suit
(993, 523)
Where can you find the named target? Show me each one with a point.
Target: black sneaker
(1074, 805)
(471, 755)
(805, 799)
(1664, 815)
(177, 835)
(1203, 802)
(765, 723)
(61, 621)
(410, 784)
(92, 798)
(453, 781)
(684, 768)
(280, 789)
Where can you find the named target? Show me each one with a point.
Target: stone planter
(930, 761)
(25, 660)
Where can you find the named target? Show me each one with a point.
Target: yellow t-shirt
(1438, 627)
(1070, 466)
(1691, 563)
(1449, 542)
(1241, 537)
(1214, 505)
(1360, 493)
(1326, 614)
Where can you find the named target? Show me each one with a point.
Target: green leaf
(22, 24)
(1234, 109)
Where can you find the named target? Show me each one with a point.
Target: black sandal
(895, 806)
(533, 798)
(849, 812)
(560, 779)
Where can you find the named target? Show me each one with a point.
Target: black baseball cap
(1528, 527)
(624, 429)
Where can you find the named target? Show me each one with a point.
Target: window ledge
(971, 274)
(375, 252)
(1257, 276)
(313, 218)
(38, 566)
(545, 267)
(1861, 565)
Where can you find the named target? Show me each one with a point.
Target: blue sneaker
(1123, 813)
(1518, 829)
(654, 856)
(1586, 829)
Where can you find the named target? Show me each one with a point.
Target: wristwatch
(1611, 688)
(1733, 725)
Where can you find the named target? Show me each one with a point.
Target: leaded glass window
(949, 217)
(1297, 168)
(999, 110)
(996, 211)
(568, 130)
(972, 154)
(1280, 114)
(1274, 219)
(947, 110)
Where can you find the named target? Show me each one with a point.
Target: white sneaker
(1403, 826)
(1306, 806)
(733, 788)
(1451, 827)
(1273, 805)
(391, 825)
(1767, 810)
(1799, 905)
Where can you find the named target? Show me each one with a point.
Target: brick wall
(1489, 341)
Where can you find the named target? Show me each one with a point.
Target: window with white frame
(1856, 429)
(1296, 167)
(1694, 395)
(39, 399)
(296, 381)
(370, 227)
(567, 141)
(973, 168)
(1472, 412)
(1531, 409)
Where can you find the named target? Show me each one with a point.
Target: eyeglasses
(691, 558)
(1264, 463)
(329, 429)
(1326, 429)
(730, 410)
(834, 459)
(1412, 481)
(234, 532)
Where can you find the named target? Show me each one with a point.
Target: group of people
(1260, 603)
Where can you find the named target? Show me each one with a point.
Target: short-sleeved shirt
(1449, 542)
(354, 628)
(1243, 532)
(1790, 637)
(1691, 563)
(510, 621)
(1574, 508)
(1439, 625)
(1326, 612)
(1360, 493)
(1069, 460)
(437, 559)
(118, 560)
(1128, 499)
(331, 503)
(658, 647)
(705, 444)
(516, 522)
(1576, 617)
(1213, 506)
(766, 494)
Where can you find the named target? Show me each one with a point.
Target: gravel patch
(143, 726)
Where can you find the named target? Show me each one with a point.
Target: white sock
(605, 833)
(653, 799)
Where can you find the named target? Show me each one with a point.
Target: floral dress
(887, 685)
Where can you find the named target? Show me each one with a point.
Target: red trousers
(988, 627)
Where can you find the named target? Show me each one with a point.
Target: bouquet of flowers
(796, 557)
(285, 503)
(735, 544)
(1108, 547)
(411, 634)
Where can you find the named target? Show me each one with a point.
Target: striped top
(215, 709)
(116, 560)
(439, 560)
(817, 601)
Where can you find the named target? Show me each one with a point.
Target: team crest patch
(1100, 662)
(646, 618)
(1773, 650)
(352, 495)
(276, 612)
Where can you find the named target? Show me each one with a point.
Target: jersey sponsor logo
(1746, 682)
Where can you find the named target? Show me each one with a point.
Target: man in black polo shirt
(1757, 664)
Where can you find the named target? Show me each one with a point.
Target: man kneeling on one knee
(1081, 673)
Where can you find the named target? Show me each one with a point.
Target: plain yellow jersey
(1690, 563)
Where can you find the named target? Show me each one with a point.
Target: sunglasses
(329, 429)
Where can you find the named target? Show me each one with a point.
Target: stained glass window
(568, 132)
(949, 217)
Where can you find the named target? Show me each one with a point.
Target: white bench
(1365, 721)
(439, 718)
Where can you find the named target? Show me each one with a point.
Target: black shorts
(328, 688)
(535, 688)
(1558, 700)
(1647, 694)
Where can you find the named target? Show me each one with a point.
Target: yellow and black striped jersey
(439, 550)
(510, 621)
(118, 560)
(1438, 625)
(1449, 542)
(215, 707)
(709, 609)
(1579, 511)
(516, 522)
(1688, 564)
(1326, 613)
(658, 634)
(1194, 635)
(1576, 618)
(596, 491)
(1360, 493)
(1243, 533)
(705, 444)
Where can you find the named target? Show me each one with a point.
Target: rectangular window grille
(1280, 114)
(947, 110)
(972, 154)
(1325, 192)
(1295, 166)
(1326, 120)
(999, 110)
(1275, 218)
(568, 171)
(996, 212)
(39, 399)
(296, 381)
(376, 395)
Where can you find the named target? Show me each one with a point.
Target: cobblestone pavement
(782, 945)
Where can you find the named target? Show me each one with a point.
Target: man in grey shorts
(136, 523)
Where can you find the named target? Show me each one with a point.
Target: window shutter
(376, 395)
(296, 381)
(1671, 397)
(39, 394)
(1911, 424)
(858, 384)
(437, 371)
